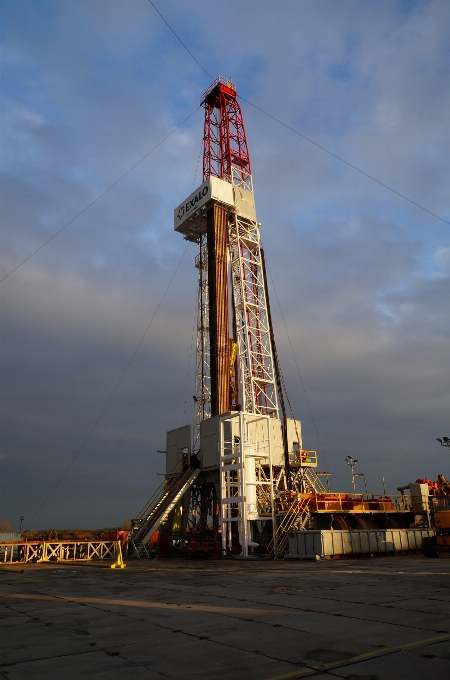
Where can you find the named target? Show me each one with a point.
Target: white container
(419, 497)
(256, 432)
(316, 544)
(9, 537)
(178, 443)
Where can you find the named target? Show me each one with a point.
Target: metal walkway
(156, 510)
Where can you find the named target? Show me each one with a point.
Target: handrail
(166, 504)
(161, 491)
(303, 457)
(220, 79)
(56, 551)
(356, 502)
(296, 510)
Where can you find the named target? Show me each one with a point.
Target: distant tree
(126, 524)
(5, 526)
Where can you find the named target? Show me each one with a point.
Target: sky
(361, 274)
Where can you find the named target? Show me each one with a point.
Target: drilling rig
(238, 480)
(242, 449)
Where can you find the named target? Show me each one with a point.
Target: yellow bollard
(43, 557)
(118, 562)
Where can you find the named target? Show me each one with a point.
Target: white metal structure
(187, 217)
(256, 363)
(241, 476)
(246, 493)
(257, 380)
(202, 398)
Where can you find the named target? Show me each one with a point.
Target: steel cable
(366, 174)
(99, 197)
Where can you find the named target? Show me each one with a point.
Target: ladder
(139, 549)
(296, 518)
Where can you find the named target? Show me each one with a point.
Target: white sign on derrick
(193, 203)
(189, 215)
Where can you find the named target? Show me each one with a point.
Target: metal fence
(56, 551)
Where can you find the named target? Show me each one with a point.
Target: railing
(165, 487)
(9, 552)
(314, 481)
(295, 518)
(303, 457)
(348, 502)
(220, 79)
(57, 551)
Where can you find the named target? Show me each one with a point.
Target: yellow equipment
(433, 546)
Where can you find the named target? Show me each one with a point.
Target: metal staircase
(296, 518)
(139, 549)
(314, 481)
(156, 510)
(307, 481)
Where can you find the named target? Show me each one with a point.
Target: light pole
(327, 475)
(21, 520)
(352, 462)
(445, 441)
(360, 474)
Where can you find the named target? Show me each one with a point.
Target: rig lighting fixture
(352, 462)
(360, 474)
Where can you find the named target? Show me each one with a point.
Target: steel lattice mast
(253, 381)
(243, 446)
(225, 148)
(202, 398)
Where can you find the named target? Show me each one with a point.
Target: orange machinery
(433, 546)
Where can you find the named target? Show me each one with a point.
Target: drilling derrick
(233, 240)
(234, 461)
(237, 435)
(239, 479)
